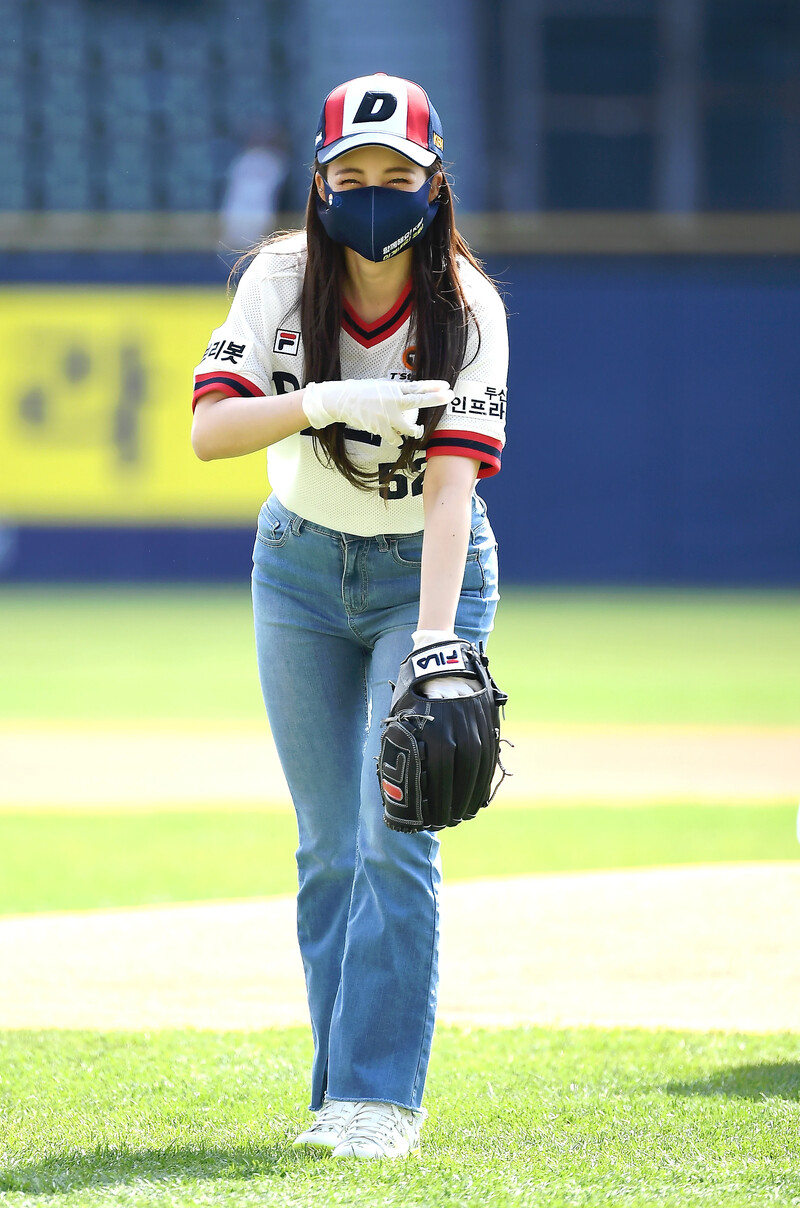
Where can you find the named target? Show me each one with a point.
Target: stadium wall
(653, 422)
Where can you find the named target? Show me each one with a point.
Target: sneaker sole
(377, 1157)
(318, 1147)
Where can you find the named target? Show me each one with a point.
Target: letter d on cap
(368, 113)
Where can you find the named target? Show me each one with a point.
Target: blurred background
(630, 172)
(628, 169)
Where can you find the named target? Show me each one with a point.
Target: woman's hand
(385, 408)
(446, 686)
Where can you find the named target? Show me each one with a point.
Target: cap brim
(418, 155)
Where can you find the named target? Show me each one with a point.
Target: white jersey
(258, 351)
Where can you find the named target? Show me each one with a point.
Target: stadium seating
(142, 104)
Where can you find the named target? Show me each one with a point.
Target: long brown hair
(439, 322)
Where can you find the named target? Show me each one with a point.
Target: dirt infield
(64, 766)
(696, 948)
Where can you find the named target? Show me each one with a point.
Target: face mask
(376, 222)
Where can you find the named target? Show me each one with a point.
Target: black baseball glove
(438, 756)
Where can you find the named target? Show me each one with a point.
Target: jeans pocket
(274, 525)
(480, 572)
(474, 581)
(480, 532)
(407, 550)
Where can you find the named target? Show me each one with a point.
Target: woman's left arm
(447, 501)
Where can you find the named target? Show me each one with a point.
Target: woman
(368, 354)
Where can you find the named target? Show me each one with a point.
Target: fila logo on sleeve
(286, 342)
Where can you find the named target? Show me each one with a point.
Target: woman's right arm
(231, 427)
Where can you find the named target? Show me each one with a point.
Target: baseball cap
(380, 109)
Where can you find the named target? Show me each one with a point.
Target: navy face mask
(377, 222)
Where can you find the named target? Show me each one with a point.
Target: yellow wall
(95, 414)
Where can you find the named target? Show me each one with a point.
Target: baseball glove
(438, 756)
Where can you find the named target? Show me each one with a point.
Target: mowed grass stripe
(71, 861)
(686, 657)
(522, 1117)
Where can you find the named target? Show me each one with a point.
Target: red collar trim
(368, 334)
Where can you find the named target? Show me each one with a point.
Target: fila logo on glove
(440, 658)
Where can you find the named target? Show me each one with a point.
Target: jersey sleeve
(237, 360)
(475, 421)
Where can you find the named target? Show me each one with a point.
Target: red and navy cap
(380, 109)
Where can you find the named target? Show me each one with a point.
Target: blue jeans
(334, 614)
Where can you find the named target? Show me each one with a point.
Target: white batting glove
(447, 686)
(385, 408)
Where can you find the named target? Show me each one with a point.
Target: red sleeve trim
(484, 449)
(232, 385)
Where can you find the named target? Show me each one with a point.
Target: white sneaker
(381, 1130)
(328, 1129)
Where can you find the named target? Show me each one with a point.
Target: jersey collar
(368, 334)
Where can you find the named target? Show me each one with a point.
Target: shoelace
(327, 1115)
(374, 1121)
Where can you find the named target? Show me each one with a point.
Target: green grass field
(519, 1117)
(77, 861)
(80, 655)
(680, 657)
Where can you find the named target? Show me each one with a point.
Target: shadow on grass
(108, 1165)
(780, 1080)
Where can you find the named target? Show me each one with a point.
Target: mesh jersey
(258, 351)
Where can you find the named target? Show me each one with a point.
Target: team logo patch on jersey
(410, 356)
(286, 342)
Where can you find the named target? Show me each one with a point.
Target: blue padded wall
(653, 422)
(653, 428)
